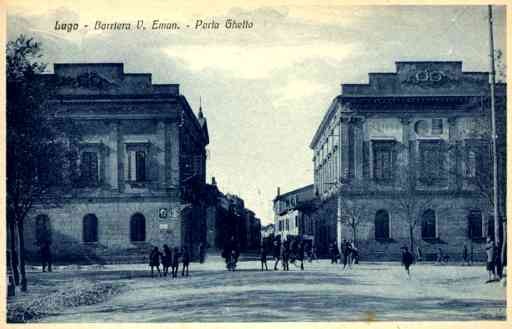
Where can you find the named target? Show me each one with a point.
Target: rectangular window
(477, 159)
(296, 221)
(89, 168)
(437, 126)
(383, 160)
(137, 165)
(432, 162)
(287, 225)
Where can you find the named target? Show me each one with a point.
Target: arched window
(428, 224)
(381, 225)
(138, 227)
(43, 229)
(475, 224)
(90, 228)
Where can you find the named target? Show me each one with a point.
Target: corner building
(139, 170)
(409, 154)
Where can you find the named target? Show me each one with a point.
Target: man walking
(185, 258)
(263, 257)
(46, 256)
(490, 250)
(407, 260)
(276, 250)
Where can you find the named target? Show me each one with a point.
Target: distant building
(408, 154)
(293, 213)
(140, 169)
(227, 217)
(267, 231)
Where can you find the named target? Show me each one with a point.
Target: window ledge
(433, 240)
(137, 183)
(90, 244)
(480, 239)
(385, 240)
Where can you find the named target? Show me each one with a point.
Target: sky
(264, 90)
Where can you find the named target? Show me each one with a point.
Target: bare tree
(353, 214)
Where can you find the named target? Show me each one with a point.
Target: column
(344, 138)
(454, 156)
(358, 148)
(407, 153)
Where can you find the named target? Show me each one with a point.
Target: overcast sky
(264, 90)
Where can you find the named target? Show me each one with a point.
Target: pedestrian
(154, 260)
(231, 265)
(419, 254)
(490, 250)
(202, 253)
(346, 254)
(46, 256)
(166, 259)
(300, 254)
(407, 260)
(175, 261)
(263, 257)
(331, 252)
(336, 252)
(285, 254)
(440, 256)
(465, 255)
(354, 253)
(185, 259)
(276, 251)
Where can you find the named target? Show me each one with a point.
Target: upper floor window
(89, 168)
(477, 159)
(437, 126)
(432, 162)
(137, 161)
(383, 160)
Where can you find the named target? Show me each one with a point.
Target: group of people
(170, 257)
(348, 250)
(286, 252)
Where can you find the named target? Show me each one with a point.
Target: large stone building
(293, 214)
(140, 167)
(405, 160)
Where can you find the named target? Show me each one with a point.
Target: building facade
(293, 213)
(139, 170)
(405, 160)
(228, 217)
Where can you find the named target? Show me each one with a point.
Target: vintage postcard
(193, 162)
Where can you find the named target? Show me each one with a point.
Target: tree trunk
(411, 238)
(22, 256)
(14, 254)
(354, 236)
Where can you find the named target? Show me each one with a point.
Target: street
(323, 292)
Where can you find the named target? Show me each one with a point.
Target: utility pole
(497, 238)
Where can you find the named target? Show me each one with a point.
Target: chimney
(214, 182)
(278, 191)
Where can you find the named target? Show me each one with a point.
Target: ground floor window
(90, 228)
(475, 223)
(428, 224)
(138, 228)
(381, 225)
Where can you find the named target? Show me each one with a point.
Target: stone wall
(66, 224)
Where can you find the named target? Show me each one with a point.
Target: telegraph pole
(492, 73)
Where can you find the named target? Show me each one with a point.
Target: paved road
(323, 292)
